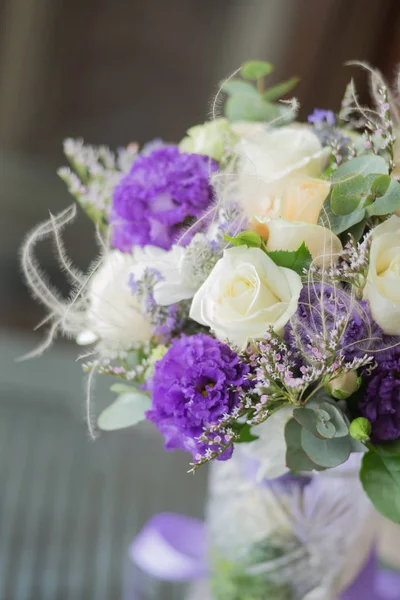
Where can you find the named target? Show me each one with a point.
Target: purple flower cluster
(195, 384)
(321, 307)
(381, 401)
(163, 192)
(322, 118)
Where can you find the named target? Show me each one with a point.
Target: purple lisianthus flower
(194, 385)
(320, 308)
(164, 191)
(381, 401)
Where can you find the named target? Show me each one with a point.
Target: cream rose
(245, 293)
(114, 313)
(383, 285)
(323, 245)
(277, 171)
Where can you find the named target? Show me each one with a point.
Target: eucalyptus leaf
(127, 410)
(379, 186)
(380, 477)
(238, 86)
(280, 89)
(388, 202)
(339, 224)
(122, 388)
(326, 453)
(362, 165)
(244, 107)
(298, 260)
(256, 69)
(337, 418)
(296, 458)
(326, 429)
(307, 418)
(347, 194)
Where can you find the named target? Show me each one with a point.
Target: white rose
(177, 282)
(244, 294)
(383, 285)
(114, 313)
(272, 160)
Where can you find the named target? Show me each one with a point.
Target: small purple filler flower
(163, 192)
(322, 118)
(381, 402)
(194, 385)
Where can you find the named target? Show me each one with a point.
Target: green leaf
(326, 453)
(244, 107)
(379, 185)
(246, 435)
(127, 410)
(346, 195)
(339, 224)
(297, 260)
(337, 418)
(280, 89)
(316, 421)
(238, 86)
(307, 418)
(256, 69)
(362, 165)
(296, 458)
(122, 388)
(380, 477)
(389, 201)
(245, 238)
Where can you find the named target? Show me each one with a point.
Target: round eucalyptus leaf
(326, 453)
(326, 429)
(127, 410)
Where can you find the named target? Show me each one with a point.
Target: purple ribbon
(173, 547)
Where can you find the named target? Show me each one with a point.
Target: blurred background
(113, 73)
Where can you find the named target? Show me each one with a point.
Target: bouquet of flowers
(246, 297)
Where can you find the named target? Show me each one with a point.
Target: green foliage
(245, 238)
(297, 260)
(360, 429)
(362, 165)
(318, 437)
(296, 458)
(238, 86)
(386, 201)
(245, 434)
(244, 107)
(122, 388)
(256, 69)
(325, 452)
(361, 188)
(280, 89)
(127, 410)
(249, 101)
(347, 195)
(380, 477)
